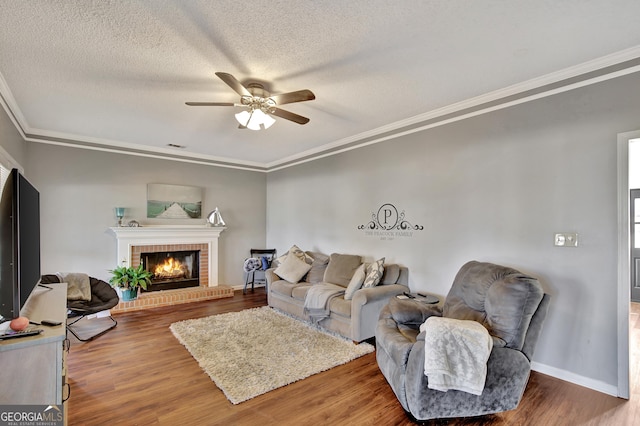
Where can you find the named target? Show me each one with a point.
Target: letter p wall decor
(387, 223)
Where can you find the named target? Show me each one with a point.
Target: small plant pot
(128, 294)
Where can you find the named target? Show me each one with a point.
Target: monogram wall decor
(388, 224)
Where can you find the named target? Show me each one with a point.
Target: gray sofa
(354, 319)
(510, 305)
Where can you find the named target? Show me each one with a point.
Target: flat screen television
(19, 244)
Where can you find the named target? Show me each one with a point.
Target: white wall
(80, 188)
(492, 188)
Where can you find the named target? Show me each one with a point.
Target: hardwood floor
(138, 374)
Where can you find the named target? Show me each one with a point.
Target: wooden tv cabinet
(33, 368)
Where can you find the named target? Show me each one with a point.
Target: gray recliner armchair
(509, 304)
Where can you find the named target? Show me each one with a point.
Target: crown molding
(591, 72)
(105, 145)
(601, 69)
(11, 107)
(31, 134)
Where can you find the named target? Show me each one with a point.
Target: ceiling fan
(259, 104)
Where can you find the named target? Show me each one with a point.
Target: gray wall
(492, 188)
(79, 189)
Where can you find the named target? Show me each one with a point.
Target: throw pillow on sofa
(292, 269)
(296, 251)
(391, 274)
(341, 268)
(374, 273)
(355, 283)
(319, 265)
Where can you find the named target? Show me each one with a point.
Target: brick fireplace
(133, 242)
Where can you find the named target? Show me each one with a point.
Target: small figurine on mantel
(215, 218)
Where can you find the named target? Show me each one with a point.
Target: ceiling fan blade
(211, 104)
(291, 97)
(289, 116)
(233, 83)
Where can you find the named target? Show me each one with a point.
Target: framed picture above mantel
(173, 201)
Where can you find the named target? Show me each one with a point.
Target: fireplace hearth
(172, 269)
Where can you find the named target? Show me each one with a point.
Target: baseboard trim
(576, 379)
(241, 287)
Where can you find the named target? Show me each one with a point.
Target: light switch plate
(566, 239)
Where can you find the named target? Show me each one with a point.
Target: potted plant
(128, 278)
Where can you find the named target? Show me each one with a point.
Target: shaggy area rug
(254, 351)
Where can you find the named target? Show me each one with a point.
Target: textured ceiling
(117, 73)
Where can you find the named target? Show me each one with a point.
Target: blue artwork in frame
(173, 201)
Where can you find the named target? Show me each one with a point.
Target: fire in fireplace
(172, 269)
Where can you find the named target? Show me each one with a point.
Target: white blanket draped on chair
(456, 354)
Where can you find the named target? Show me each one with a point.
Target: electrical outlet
(566, 239)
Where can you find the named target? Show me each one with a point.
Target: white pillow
(374, 273)
(296, 251)
(292, 269)
(355, 283)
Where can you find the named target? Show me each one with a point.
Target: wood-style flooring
(138, 374)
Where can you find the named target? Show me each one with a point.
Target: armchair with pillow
(510, 305)
(347, 294)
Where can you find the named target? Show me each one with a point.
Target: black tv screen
(19, 243)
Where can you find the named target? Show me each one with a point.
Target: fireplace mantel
(128, 237)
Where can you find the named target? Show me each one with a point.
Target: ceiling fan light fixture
(254, 120)
(259, 104)
(264, 119)
(243, 117)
